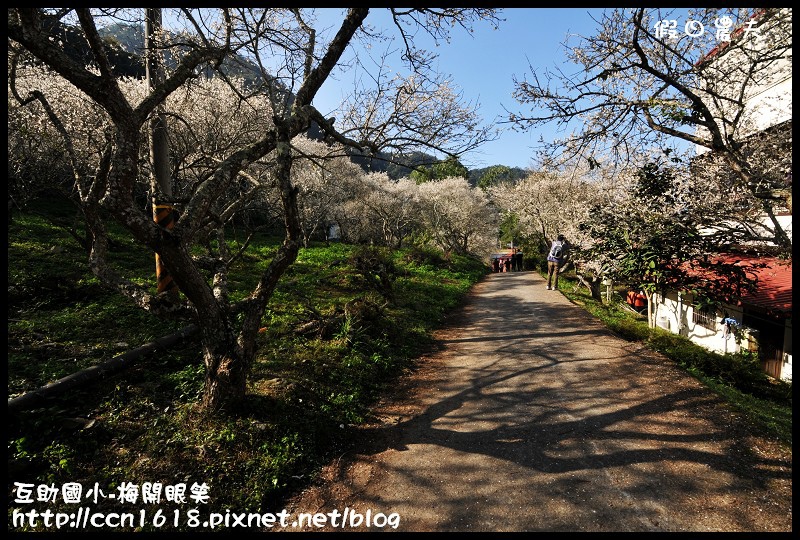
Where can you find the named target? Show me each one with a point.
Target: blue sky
(482, 65)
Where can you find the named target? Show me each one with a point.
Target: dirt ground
(532, 416)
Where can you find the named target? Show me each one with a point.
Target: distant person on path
(556, 256)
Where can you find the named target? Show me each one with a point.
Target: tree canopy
(644, 82)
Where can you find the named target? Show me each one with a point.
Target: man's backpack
(556, 251)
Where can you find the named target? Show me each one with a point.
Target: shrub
(376, 266)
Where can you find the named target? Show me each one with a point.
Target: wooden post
(160, 182)
(166, 216)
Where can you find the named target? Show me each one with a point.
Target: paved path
(534, 417)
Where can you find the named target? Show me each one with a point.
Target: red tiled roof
(774, 289)
(773, 276)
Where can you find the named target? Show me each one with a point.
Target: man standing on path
(556, 256)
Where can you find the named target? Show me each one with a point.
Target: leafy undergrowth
(344, 323)
(765, 402)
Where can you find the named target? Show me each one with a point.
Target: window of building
(704, 317)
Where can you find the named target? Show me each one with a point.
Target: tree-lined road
(532, 416)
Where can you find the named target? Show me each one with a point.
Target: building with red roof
(759, 320)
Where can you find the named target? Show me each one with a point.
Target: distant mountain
(123, 62)
(497, 174)
(391, 163)
(130, 38)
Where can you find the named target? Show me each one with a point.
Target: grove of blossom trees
(590, 206)
(458, 216)
(229, 156)
(368, 208)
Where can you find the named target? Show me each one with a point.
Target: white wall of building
(675, 312)
(786, 371)
(767, 98)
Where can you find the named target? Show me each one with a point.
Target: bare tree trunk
(229, 356)
(651, 314)
(593, 284)
(226, 375)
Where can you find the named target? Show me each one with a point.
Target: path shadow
(534, 382)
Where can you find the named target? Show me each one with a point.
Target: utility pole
(160, 182)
